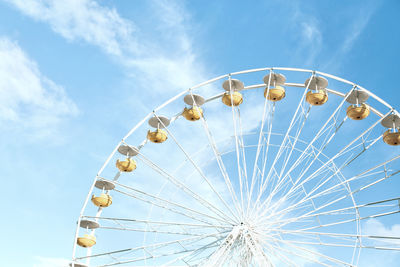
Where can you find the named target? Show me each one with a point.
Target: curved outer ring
(312, 72)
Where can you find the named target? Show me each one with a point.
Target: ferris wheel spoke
(307, 165)
(304, 192)
(267, 146)
(394, 208)
(340, 153)
(220, 162)
(150, 257)
(298, 184)
(300, 255)
(265, 180)
(162, 203)
(305, 233)
(189, 213)
(364, 174)
(268, 115)
(203, 261)
(314, 236)
(292, 123)
(343, 245)
(183, 187)
(150, 231)
(353, 220)
(292, 144)
(310, 197)
(156, 223)
(160, 245)
(325, 129)
(312, 204)
(324, 180)
(386, 176)
(312, 156)
(222, 168)
(235, 110)
(201, 173)
(243, 155)
(159, 227)
(322, 244)
(326, 257)
(186, 252)
(341, 222)
(276, 249)
(196, 251)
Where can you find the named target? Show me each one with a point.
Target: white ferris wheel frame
(219, 256)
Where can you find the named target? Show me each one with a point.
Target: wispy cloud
(377, 228)
(311, 33)
(162, 59)
(373, 258)
(168, 62)
(147, 57)
(82, 20)
(28, 99)
(306, 29)
(356, 25)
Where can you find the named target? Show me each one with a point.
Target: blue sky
(75, 76)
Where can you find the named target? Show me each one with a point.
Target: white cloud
(28, 98)
(82, 20)
(307, 31)
(372, 257)
(149, 63)
(168, 62)
(311, 37)
(88, 21)
(357, 27)
(377, 228)
(310, 32)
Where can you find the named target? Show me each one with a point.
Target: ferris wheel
(262, 167)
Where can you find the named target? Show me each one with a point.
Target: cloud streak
(375, 227)
(82, 20)
(356, 27)
(307, 31)
(27, 97)
(147, 58)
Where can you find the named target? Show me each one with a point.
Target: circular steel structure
(258, 183)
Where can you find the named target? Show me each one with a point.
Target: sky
(76, 75)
